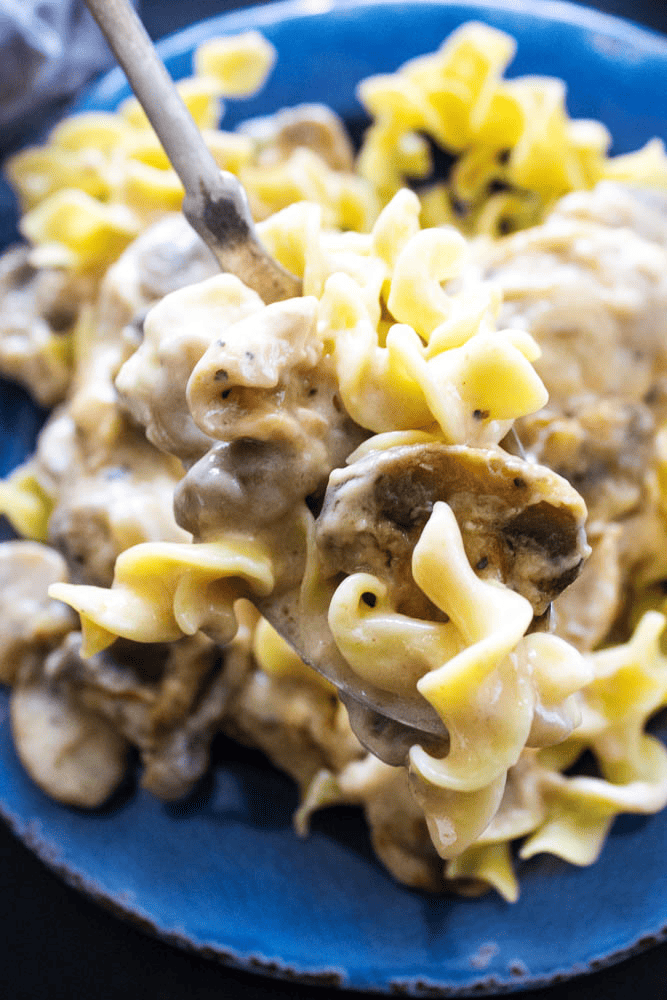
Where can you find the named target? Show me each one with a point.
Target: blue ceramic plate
(222, 871)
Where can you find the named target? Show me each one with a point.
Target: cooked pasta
(516, 149)
(446, 459)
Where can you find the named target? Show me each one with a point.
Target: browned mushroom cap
(521, 524)
(313, 126)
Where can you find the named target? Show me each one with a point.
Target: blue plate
(222, 872)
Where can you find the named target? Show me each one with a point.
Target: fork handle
(215, 203)
(157, 94)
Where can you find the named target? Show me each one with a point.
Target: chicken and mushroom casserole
(442, 468)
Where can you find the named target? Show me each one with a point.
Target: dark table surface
(57, 944)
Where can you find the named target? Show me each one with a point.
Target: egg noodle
(422, 451)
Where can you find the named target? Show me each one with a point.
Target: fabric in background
(48, 50)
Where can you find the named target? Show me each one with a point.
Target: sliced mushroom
(521, 524)
(75, 756)
(314, 126)
(32, 623)
(167, 700)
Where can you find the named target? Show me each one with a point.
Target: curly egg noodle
(353, 451)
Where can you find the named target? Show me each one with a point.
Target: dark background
(57, 944)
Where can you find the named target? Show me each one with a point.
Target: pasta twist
(26, 504)
(164, 590)
(514, 147)
(492, 687)
(570, 816)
